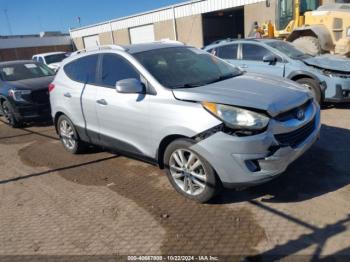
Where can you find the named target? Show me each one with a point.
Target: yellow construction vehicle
(313, 27)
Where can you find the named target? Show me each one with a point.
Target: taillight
(51, 87)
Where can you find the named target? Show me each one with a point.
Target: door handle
(68, 95)
(102, 102)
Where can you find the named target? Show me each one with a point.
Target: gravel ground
(99, 203)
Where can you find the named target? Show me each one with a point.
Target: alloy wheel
(7, 114)
(67, 134)
(188, 171)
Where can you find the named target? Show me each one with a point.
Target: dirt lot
(99, 203)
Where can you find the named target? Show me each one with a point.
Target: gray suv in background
(206, 122)
(327, 76)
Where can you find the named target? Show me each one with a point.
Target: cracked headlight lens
(237, 118)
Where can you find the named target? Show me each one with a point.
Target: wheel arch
(164, 144)
(55, 120)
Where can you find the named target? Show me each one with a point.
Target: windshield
(185, 67)
(288, 49)
(50, 59)
(17, 72)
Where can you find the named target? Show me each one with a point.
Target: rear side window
(254, 52)
(227, 51)
(82, 70)
(115, 68)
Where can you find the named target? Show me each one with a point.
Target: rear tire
(189, 173)
(9, 115)
(313, 86)
(309, 44)
(69, 136)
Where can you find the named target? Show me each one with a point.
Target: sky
(34, 16)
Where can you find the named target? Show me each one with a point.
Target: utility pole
(8, 21)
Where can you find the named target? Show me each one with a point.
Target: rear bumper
(252, 160)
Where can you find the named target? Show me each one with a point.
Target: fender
(322, 84)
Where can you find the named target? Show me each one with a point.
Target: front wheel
(9, 115)
(189, 173)
(312, 86)
(69, 136)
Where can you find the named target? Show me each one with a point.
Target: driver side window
(115, 68)
(254, 52)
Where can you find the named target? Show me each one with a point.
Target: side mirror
(130, 86)
(271, 59)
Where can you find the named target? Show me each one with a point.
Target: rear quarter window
(83, 69)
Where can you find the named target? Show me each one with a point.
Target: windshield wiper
(187, 85)
(222, 78)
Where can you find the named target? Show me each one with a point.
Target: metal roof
(166, 13)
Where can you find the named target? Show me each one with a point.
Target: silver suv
(205, 122)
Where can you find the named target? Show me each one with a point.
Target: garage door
(91, 41)
(142, 34)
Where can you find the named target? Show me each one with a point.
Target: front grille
(40, 96)
(292, 114)
(296, 137)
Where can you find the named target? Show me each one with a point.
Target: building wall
(260, 13)
(27, 52)
(106, 38)
(164, 30)
(122, 37)
(190, 30)
(79, 43)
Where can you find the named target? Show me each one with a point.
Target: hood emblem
(300, 114)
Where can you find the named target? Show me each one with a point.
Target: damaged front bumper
(251, 160)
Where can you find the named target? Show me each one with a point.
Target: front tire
(69, 136)
(189, 173)
(313, 86)
(9, 115)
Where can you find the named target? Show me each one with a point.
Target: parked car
(24, 91)
(327, 76)
(206, 122)
(52, 60)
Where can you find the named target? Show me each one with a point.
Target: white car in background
(52, 60)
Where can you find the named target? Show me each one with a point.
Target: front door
(123, 118)
(252, 61)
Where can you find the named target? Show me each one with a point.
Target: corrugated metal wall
(181, 10)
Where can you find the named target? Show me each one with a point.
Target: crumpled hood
(270, 94)
(330, 62)
(32, 84)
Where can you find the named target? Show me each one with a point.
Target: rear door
(228, 53)
(123, 118)
(252, 60)
(79, 95)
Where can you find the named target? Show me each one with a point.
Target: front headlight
(17, 95)
(237, 118)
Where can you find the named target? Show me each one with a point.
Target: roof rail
(169, 41)
(100, 47)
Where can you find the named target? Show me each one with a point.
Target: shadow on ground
(193, 228)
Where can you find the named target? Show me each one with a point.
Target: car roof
(15, 62)
(138, 48)
(50, 53)
(241, 40)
